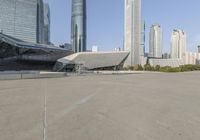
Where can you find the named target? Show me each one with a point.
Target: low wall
(15, 75)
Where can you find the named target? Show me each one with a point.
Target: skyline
(106, 27)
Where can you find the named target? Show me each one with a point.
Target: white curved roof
(92, 60)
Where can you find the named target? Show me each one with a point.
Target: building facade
(92, 61)
(47, 23)
(142, 46)
(155, 41)
(166, 62)
(22, 19)
(178, 44)
(40, 21)
(132, 35)
(78, 26)
(166, 56)
(192, 58)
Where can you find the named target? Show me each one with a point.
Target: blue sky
(105, 20)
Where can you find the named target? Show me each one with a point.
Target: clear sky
(105, 20)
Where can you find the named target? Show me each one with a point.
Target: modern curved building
(78, 26)
(92, 61)
(16, 54)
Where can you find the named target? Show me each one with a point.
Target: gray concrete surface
(102, 107)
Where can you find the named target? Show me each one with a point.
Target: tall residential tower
(155, 41)
(78, 26)
(178, 44)
(132, 35)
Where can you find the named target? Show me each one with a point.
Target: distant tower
(132, 34)
(199, 49)
(178, 44)
(142, 47)
(78, 25)
(155, 41)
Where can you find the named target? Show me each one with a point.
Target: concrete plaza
(150, 106)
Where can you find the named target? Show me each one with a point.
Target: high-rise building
(142, 46)
(192, 58)
(132, 40)
(155, 41)
(22, 19)
(47, 23)
(199, 49)
(178, 44)
(78, 26)
(40, 21)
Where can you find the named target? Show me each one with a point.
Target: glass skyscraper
(46, 23)
(40, 21)
(78, 25)
(22, 19)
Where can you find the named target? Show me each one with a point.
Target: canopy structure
(15, 50)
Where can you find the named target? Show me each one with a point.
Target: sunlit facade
(132, 35)
(155, 41)
(178, 44)
(192, 58)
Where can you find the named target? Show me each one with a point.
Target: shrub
(164, 69)
(148, 67)
(138, 68)
(190, 68)
(157, 68)
(177, 69)
(170, 69)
